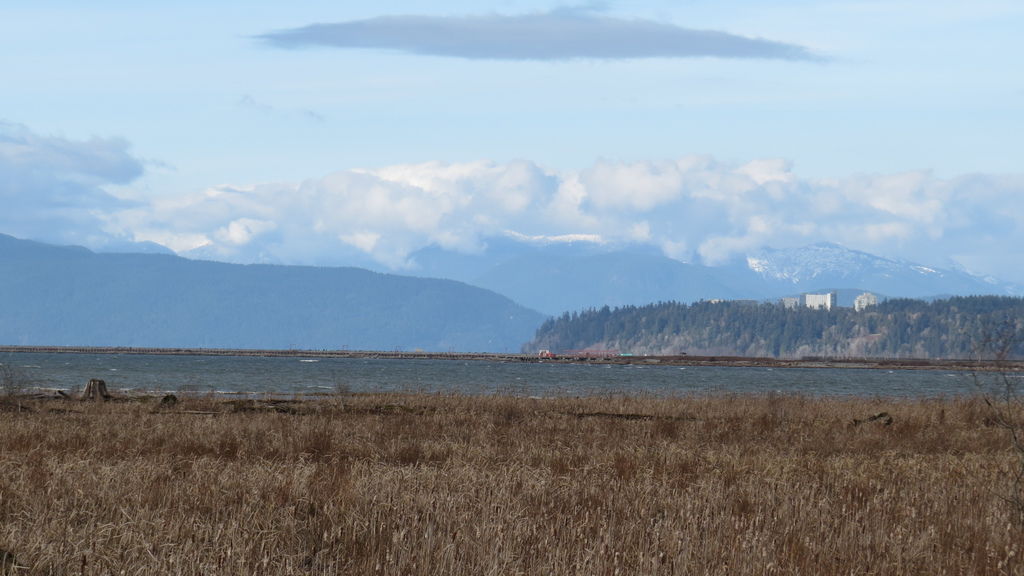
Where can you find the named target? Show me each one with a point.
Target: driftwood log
(96, 389)
(883, 416)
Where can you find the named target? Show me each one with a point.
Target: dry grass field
(429, 484)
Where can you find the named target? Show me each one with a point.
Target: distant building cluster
(813, 301)
(827, 301)
(864, 300)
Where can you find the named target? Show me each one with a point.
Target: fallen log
(883, 416)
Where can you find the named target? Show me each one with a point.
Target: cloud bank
(57, 189)
(693, 208)
(555, 35)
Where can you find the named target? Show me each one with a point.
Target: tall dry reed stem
(431, 484)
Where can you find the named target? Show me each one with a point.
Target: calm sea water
(222, 374)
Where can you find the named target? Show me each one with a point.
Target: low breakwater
(595, 357)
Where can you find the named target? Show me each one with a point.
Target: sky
(319, 132)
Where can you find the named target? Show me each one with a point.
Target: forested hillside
(953, 328)
(53, 295)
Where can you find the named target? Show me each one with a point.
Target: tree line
(957, 327)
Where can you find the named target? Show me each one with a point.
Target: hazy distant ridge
(560, 277)
(54, 295)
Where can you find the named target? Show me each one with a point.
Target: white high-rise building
(819, 301)
(864, 300)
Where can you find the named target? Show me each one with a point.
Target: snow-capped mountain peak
(828, 265)
(807, 263)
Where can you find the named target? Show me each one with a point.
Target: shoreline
(566, 358)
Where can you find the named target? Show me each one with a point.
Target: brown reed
(435, 484)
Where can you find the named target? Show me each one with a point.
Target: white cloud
(637, 187)
(911, 195)
(56, 189)
(243, 230)
(559, 239)
(887, 232)
(693, 208)
(768, 170)
(365, 241)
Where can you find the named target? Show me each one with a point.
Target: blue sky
(316, 132)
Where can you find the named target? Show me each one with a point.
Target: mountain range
(559, 277)
(55, 295)
(490, 301)
(826, 264)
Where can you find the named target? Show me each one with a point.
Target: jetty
(570, 357)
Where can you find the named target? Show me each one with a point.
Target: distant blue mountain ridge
(55, 295)
(451, 301)
(559, 277)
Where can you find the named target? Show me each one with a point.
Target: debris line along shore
(575, 357)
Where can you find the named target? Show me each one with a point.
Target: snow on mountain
(575, 272)
(827, 265)
(808, 263)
